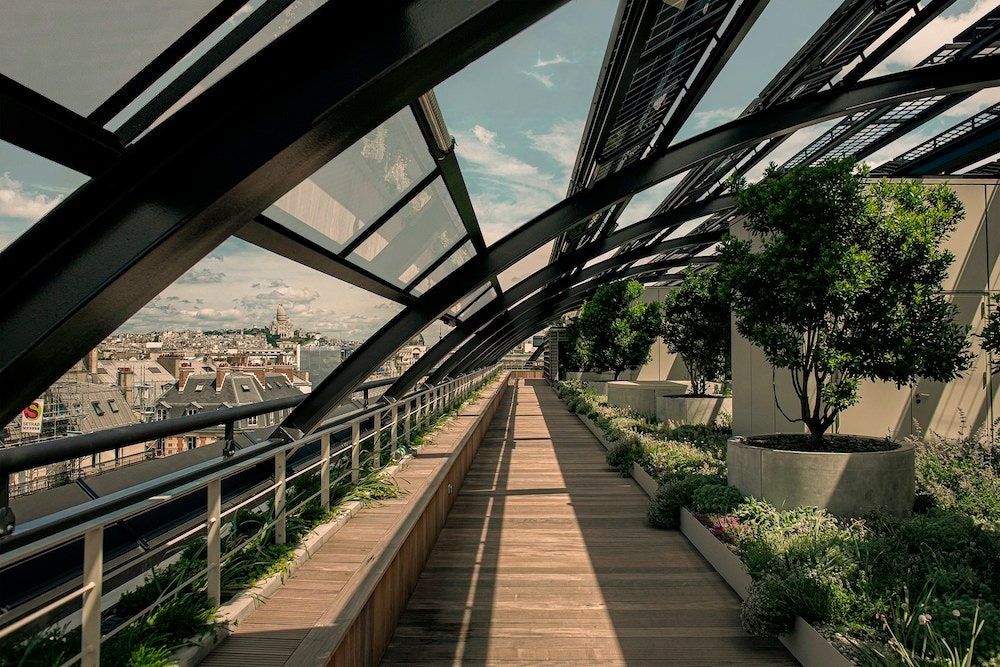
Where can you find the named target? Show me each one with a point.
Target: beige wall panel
(662, 364)
(969, 241)
(991, 195)
(883, 410)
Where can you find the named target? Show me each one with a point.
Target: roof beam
(208, 169)
(778, 120)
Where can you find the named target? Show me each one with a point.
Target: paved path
(546, 559)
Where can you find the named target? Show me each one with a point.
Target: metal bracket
(230, 447)
(7, 519)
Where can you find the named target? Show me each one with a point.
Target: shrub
(716, 499)
(664, 506)
(961, 473)
(624, 453)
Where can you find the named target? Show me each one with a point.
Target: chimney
(182, 375)
(170, 362)
(126, 382)
(90, 363)
(220, 377)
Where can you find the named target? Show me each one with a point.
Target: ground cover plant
(916, 590)
(172, 606)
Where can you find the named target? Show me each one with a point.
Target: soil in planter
(846, 444)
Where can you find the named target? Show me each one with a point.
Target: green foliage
(961, 473)
(624, 453)
(616, 332)
(696, 326)
(847, 282)
(716, 499)
(664, 506)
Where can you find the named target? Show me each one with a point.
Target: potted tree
(616, 332)
(842, 282)
(696, 326)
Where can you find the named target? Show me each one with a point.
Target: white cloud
(201, 276)
(485, 136)
(557, 59)
(935, 34)
(561, 142)
(543, 79)
(16, 202)
(715, 117)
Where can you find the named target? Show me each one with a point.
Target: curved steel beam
(529, 316)
(197, 178)
(459, 360)
(663, 222)
(778, 120)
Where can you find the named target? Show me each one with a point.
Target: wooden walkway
(546, 559)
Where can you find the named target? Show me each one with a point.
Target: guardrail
(390, 424)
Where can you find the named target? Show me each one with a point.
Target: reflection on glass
(470, 297)
(360, 184)
(79, 53)
(406, 244)
(487, 296)
(455, 260)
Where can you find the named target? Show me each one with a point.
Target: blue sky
(517, 115)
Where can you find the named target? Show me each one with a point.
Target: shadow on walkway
(546, 559)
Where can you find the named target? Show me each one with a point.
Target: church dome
(280, 314)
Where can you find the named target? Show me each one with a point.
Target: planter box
(595, 381)
(692, 409)
(808, 646)
(641, 396)
(844, 484)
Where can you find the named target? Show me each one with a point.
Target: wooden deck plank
(545, 558)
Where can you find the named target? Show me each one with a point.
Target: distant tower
(281, 326)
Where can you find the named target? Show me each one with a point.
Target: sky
(517, 116)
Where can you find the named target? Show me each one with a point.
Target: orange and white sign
(31, 417)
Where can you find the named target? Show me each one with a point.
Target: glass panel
(30, 187)
(79, 53)
(487, 296)
(412, 239)
(467, 299)
(457, 259)
(525, 267)
(294, 13)
(643, 204)
(184, 63)
(359, 185)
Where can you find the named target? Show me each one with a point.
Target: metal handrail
(26, 457)
(90, 519)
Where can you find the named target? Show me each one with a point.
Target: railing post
(324, 472)
(213, 542)
(409, 420)
(394, 429)
(93, 574)
(377, 443)
(355, 452)
(279, 497)
(6, 513)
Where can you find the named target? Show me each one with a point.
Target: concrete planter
(595, 381)
(692, 409)
(809, 647)
(845, 484)
(641, 396)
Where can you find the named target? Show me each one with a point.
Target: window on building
(98, 410)
(161, 414)
(190, 411)
(190, 442)
(113, 405)
(252, 421)
(199, 387)
(245, 387)
(268, 385)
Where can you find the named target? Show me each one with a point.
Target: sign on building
(31, 417)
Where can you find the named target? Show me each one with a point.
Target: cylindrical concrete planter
(846, 484)
(641, 396)
(693, 409)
